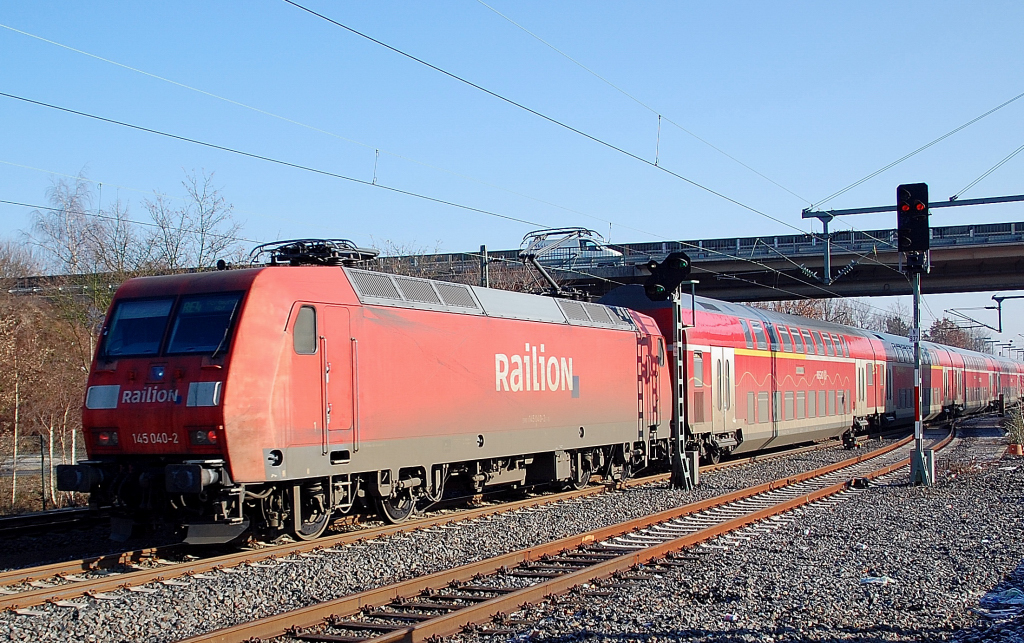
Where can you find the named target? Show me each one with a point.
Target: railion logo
(151, 394)
(534, 371)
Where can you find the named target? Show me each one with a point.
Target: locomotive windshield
(202, 323)
(137, 327)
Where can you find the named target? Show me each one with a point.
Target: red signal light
(905, 207)
(203, 435)
(920, 206)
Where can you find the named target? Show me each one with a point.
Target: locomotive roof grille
(312, 252)
(382, 289)
(573, 309)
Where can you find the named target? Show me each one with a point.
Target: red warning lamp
(912, 228)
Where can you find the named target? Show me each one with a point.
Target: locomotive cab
(153, 416)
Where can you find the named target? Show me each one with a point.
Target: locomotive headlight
(203, 435)
(106, 438)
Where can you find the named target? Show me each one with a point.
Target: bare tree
(65, 233)
(195, 234)
(214, 232)
(120, 248)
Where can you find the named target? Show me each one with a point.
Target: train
(277, 397)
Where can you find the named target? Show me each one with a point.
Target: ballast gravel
(244, 593)
(892, 563)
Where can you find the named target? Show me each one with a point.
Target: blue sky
(812, 95)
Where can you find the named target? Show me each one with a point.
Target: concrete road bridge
(964, 258)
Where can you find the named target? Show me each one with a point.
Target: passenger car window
(746, 333)
(136, 327)
(304, 332)
(203, 323)
(798, 342)
(762, 343)
(808, 342)
(787, 345)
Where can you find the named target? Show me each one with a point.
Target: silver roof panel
(383, 289)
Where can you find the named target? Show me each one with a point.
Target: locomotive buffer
(665, 283)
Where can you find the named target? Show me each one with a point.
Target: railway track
(70, 517)
(61, 583)
(446, 602)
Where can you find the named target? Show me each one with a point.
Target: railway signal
(912, 238)
(666, 276)
(912, 217)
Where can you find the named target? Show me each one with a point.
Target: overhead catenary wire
(915, 152)
(550, 119)
(660, 116)
(553, 120)
(377, 150)
(641, 103)
(269, 159)
(990, 171)
(699, 268)
(364, 182)
(107, 217)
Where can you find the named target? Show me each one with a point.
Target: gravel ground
(893, 563)
(221, 599)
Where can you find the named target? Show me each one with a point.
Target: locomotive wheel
(311, 517)
(397, 508)
(582, 469)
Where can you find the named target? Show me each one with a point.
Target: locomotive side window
(136, 327)
(661, 352)
(698, 368)
(203, 323)
(304, 333)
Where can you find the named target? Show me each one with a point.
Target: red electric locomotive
(273, 397)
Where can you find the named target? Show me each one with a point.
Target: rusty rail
(450, 623)
(38, 596)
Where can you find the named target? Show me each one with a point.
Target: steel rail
(56, 518)
(313, 615)
(79, 587)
